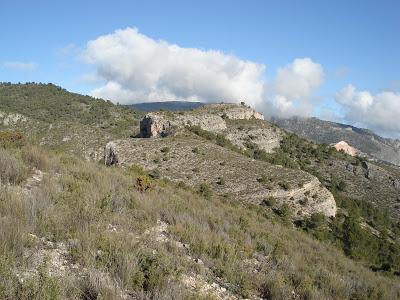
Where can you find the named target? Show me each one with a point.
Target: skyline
(337, 61)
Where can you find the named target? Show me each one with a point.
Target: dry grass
(78, 207)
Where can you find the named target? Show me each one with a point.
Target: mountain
(100, 201)
(167, 105)
(328, 132)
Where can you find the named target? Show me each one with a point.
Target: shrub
(284, 211)
(316, 220)
(12, 170)
(205, 190)
(303, 201)
(284, 185)
(270, 201)
(35, 157)
(221, 181)
(165, 150)
(143, 183)
(11, 139)
(136, 170)
(155, 174)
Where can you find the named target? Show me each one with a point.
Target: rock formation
(346, 148)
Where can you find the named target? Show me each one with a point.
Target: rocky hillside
(203, 164)
(210, 203)
(56, 118)
(329, 132)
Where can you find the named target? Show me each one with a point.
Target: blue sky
(356, 43)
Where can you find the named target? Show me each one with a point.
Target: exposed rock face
(346, 148)
(110, 154)
(11, 119)
(233, 111)
(154, 125)
(209, 117)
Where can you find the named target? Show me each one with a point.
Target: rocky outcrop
(154, 125)
(346, 148)
(11, 119)
(233, 111)
(209, 117)
(110, 154)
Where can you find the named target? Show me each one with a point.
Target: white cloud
(137, 68)
(378, 112)
(294, 87)
(299, 79)
(20, 66)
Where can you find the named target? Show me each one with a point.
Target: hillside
(329, 132)
(54, 117)
(210, 203)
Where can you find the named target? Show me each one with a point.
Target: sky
(336, 60)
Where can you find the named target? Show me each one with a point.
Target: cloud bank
(378, 112)
(136, 68)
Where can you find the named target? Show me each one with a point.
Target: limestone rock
(110, 154)
(346, 148)
(154, 125)
(11, 119)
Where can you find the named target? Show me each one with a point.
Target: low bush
(12, 170)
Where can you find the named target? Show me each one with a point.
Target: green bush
(270, 201)
(205, 190)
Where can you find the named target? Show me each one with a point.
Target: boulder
(110, 154)
(154, 125)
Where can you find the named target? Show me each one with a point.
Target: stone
(154, 125)
(110, 154)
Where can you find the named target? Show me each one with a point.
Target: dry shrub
(11, 139)
(143, 183)
(36, 157)
(12, 170)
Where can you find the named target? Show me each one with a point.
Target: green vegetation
(109, 232)
(362, 231)
(219, 139)
(80, 204)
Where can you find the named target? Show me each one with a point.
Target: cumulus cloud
(20, 66)
(378, 112)
(294, 87)
(136, 68)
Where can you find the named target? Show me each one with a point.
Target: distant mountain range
(327, 132)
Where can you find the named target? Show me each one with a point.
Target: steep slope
(329, 132)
